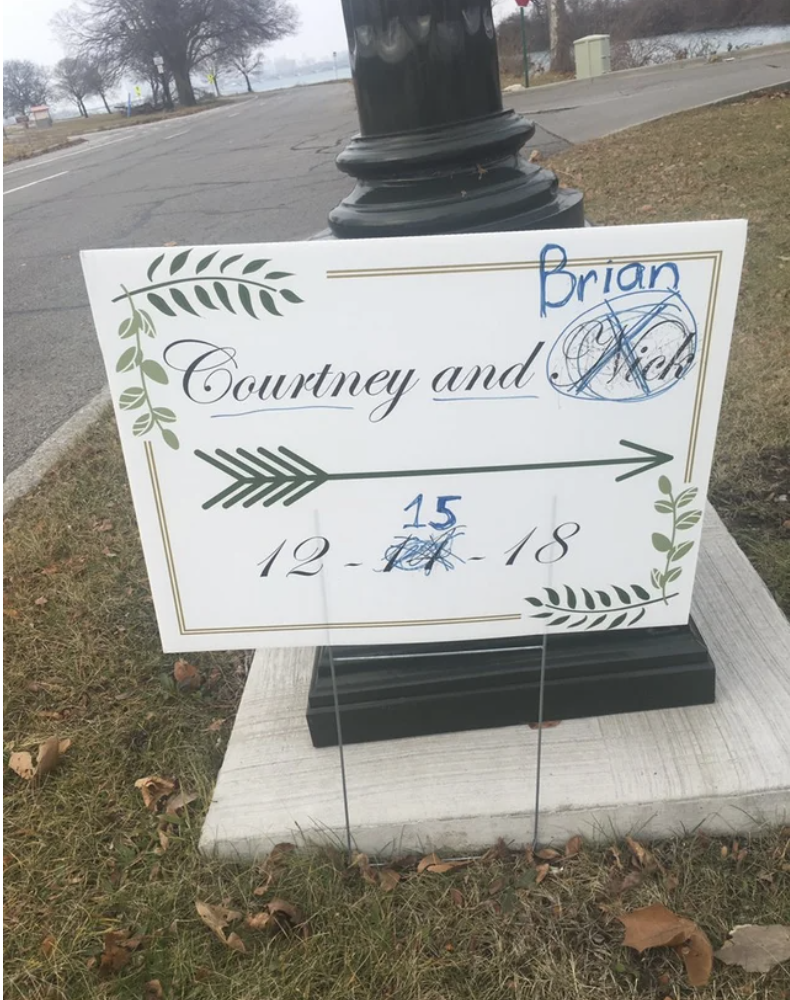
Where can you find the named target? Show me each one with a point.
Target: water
(716, 40)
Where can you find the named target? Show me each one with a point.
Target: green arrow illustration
(286, 477)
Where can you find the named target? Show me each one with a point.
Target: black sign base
(388, 692)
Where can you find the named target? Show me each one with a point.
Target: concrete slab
(724, 768)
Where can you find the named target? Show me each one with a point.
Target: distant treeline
(627, 19)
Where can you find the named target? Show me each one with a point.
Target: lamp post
(436, 152)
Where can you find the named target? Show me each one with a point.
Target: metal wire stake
(544, 648)
(333, 675)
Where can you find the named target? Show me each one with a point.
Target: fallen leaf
(573, 847)
(41, 601)
(279, 915)
(22, 764)
(499, 852)
(534, 156)
(49, 754)
(105, 525)
(548, 854)
(273, 862)
(186, 675)
(644, 858)
(756, 947)
(215, 726)
(457, 897)
(235, 942)
(655, 927)
(217, 918)
(170, 243)
(153, 789)
(433, 863)
(179, 801)
(118, 948)
(544, 725)
(153, 990)
(164, 840)
(48, 945)
(388, 879)
(697, 955)
(362, 862)
(541, 872)
(671, 882)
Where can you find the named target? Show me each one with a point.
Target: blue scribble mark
(279, 409)
(626, 349)
(423, 555)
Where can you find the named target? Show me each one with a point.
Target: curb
(30, 473)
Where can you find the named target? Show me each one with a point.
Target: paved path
(260, 170)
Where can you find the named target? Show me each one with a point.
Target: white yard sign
(419, 439)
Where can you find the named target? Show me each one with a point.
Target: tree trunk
(82, 109)
(186, 95)
(107, 107)
(216, 86)
(559, 38)
(247, 81)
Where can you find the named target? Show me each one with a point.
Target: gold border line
(702, 379)
(509, 265)
(299, 627)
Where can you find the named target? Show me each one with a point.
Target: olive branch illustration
(211, 291)
(610, 607)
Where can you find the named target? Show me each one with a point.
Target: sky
(27, 35)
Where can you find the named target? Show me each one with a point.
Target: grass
(82, 855)
(25, 143)
(719, 163)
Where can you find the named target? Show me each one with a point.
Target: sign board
(419, 439)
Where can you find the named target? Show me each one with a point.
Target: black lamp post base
(466, 177)
(388, 692)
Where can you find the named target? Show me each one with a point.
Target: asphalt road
(260, 170)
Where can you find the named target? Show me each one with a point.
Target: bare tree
(25, 84)
(72, 81)
(559, 38)
(184, 32)
(101, 75)
(246, 61)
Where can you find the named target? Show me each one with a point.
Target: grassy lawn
(84, 858)
(22, 144)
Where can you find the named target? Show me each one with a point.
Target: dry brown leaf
(22, 764)
(388, 879)
(49, 754)
(273, 862)
(697, 955)
(552, 724)
(164, 840)
(154, 789)
(279, 915)
(542, 872)
(118, 948)
(235, 942)
(574, 846)
(41, 601)
(216, 918)
(457, 897)
(756, 947)
(655, 927)
(170, 243)
(499, 852)
(153, 990)
(361, 861)
(48, 945)
(548, 854)
(215, 725)
(534, 156)
(186, 675)
(179, 801)
(641, 854)
(433, 863)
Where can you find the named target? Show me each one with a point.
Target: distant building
(40, 116)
